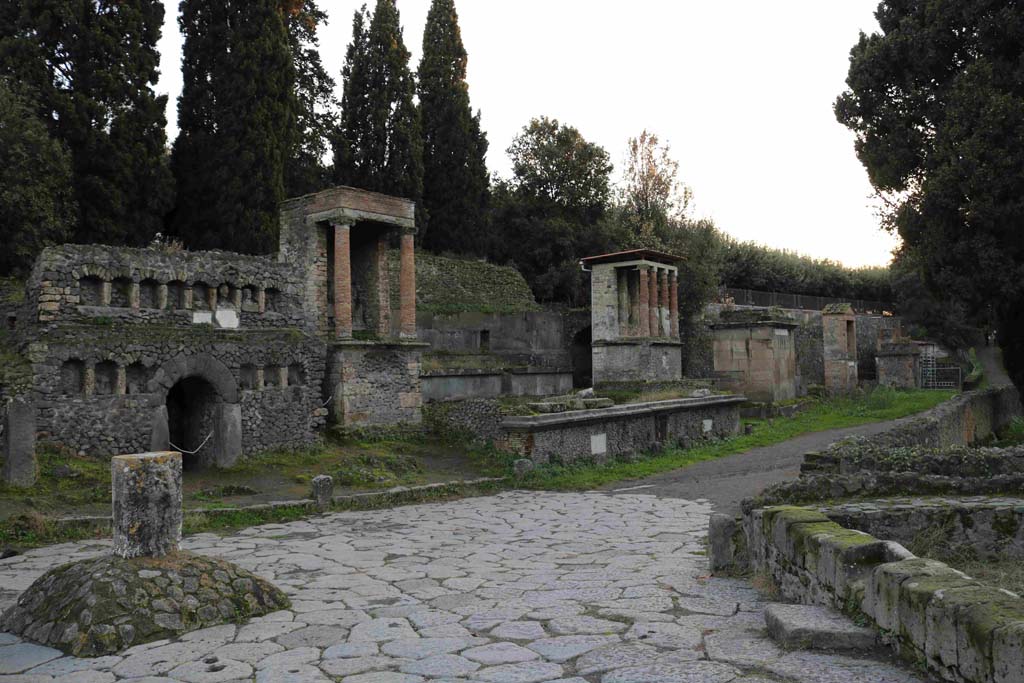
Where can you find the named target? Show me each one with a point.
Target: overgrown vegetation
(822, 415)
(935, 543)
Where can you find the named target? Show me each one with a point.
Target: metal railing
(806, 302)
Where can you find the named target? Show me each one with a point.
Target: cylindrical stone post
(663, 304)
(645, 306)
(323, 491)
(146, 495)
(652, 298)
(342, 281)
(407, 288)
(673, 305)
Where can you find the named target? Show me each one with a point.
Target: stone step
(810, 627)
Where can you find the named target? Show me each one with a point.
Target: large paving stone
(816, 628)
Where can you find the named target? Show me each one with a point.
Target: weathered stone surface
(323, 491)
(816, 628)
(19, 443)
(147, 504)
(101, 606)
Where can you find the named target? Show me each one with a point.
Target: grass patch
(935, 543)
(821, 415)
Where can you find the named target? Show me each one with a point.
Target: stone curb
(398, 495)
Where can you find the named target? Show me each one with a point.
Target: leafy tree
(552, 211)
(237, 120)
(89, 68)
(555, 163)
(316, 111)
(936, 100)
(37, 204)
(455, 186)
(379, 144)
(652, 191)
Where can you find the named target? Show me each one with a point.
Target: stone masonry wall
(374, 384)
(478, 419)
(151, 286)
(115, 420)
(956, 627)
(623, 430)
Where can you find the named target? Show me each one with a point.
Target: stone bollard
(19, 444)
(323, 491)
(146, 492)
(522, 467)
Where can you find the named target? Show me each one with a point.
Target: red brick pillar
(342, 281)
(653, 299)
(673, 305)
(383, 289)
(407, 287)
(645, 305)
(663, 304)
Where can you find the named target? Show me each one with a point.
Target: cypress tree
(90, 68)
(236, 115)
(455, 185)
(316, 107)
(379, 145)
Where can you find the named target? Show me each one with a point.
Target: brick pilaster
(645, 304)
(673, 305)
(383, 288)
(407, 287)
(653, 299)
(342, 281)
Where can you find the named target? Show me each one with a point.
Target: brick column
(634, 305)
(673, 305)
(383, 288)
(161, 297)
(653, 299)
(645, 304)
(407, 287)
(342, 281)
(261, 300)
(663, 303)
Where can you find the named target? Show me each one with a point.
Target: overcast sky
(742, 90)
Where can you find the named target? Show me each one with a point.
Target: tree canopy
(89, 69)
(236, 116)
(37, 203)
(455, 181)
(379, 143)
(936, 100)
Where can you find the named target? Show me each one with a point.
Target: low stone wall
(448, 385)
(478, 419)
(622, 430)
(935, 616)
(987, 528)
(963, 420)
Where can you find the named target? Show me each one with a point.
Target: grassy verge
(879, 406)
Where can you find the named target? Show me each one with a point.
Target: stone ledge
(554, 420)
(816, 628)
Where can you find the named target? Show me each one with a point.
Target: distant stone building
(755, 355)
(635, 316)
(224, 354)
(839, 328)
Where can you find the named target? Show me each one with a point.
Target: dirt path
(991, 359)
(727, 481)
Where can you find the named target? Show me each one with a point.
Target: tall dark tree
(236, 117)
(36, 194)
(316, 111)
(937, 102)
(379, 144)
(455, 181)
(90, 68)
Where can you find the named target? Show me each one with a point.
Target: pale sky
(742, 90)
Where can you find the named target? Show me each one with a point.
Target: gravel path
(725, 482)
(514, 588)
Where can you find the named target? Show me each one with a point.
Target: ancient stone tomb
(635, 316)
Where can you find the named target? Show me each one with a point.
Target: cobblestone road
(514, 588)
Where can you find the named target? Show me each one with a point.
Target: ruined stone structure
(635, 315)
(221, 355)
(898, 360)
(839, 326)
(755, 354)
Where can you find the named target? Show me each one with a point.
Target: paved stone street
(514, 588)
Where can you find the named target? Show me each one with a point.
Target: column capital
(342, 223)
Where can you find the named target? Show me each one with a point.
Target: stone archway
(200, 398)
